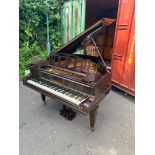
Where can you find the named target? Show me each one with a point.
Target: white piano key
(58, 91)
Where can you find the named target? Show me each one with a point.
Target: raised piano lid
(75, 43)
(72, 45)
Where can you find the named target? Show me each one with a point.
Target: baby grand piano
(74, 75)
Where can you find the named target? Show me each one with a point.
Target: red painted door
(124, 26)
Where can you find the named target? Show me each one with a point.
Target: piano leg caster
(43, 97)
(92, 116)
(67, 113)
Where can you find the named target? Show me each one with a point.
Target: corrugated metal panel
(123, 51)
(127, 78)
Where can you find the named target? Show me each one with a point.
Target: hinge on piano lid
(90, 37)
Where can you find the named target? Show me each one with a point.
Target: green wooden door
(72, 18)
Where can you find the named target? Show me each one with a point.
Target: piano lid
(72, 45)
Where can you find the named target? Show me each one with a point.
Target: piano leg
(92, 116)
(43, 97)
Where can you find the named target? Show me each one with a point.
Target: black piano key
(76, 94)
(66, 89)
(72, 92)
(52, 87)
(65, 92)
(55, 88)
(61, 91)
(76, 97)
(44, 84)
(52, 84)
(58, 90)
(72, 95)
(81, 99)
(81, 95)
(61, 87)
(68, 93)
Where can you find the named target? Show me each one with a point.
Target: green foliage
(33, 30)
(25, 56)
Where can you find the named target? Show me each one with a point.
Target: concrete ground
(44, 132)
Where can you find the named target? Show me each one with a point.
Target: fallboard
(40, 73)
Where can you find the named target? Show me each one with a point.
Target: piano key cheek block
(73, 76)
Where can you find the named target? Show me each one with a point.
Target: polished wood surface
(84, 73)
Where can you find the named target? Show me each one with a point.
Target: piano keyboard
(68, 94)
